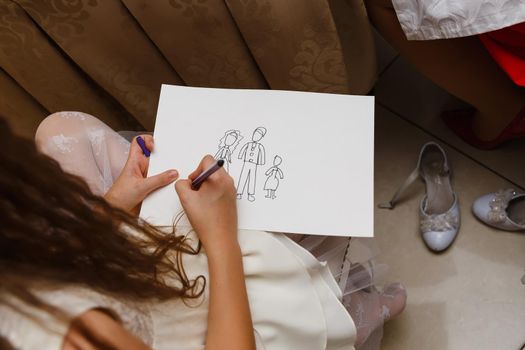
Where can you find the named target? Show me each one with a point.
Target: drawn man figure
(253, 155)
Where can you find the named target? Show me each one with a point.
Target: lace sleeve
(30, 328)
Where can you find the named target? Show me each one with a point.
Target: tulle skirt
(355, 266)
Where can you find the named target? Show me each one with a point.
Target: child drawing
(227, 145)
(274, 174)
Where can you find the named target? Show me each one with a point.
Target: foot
(251, 197)
(239, 196)
(371, 310)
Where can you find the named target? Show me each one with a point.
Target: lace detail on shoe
(498, 206)
(439, 222)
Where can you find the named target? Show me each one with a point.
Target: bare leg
(461, 66)
(84, 146)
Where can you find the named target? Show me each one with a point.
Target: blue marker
(142, 145)
(196, 184)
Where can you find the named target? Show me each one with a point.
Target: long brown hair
(53, 228)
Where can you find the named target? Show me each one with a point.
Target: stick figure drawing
(227, 144)
(253, 155)
(274, 174)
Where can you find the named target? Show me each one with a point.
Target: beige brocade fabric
(109, 57)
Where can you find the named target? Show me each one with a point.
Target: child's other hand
(212, 209)
(132, 185)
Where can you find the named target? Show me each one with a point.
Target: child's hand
(132, 185)
(212, 209)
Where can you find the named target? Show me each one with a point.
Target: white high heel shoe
(439, 209)
(504, 210)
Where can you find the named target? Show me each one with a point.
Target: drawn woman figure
(274, 174)
(227, 145)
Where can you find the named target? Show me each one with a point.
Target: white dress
(294, 300)
(443, 19)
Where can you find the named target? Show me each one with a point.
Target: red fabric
(507, 47)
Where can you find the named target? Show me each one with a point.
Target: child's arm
(213, 214)
(94, 328)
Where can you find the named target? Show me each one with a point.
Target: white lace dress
(296, 292)
(294, 301)
(443, 19)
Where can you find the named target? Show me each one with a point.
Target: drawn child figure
(227, 144)
(274, 174)
(253, 155)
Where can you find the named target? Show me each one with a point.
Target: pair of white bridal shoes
(504, 210)
(439, 209)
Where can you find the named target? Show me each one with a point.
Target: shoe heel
(410, 179)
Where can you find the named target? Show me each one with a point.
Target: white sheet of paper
(325, 143)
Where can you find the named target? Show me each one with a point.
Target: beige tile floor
(469, 297)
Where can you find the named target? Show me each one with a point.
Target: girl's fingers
(143, 166)
(148, 140)
(136, 150)
(197, 171)
(194, 174)
(154, 182)
(184, 191)
(205, 163)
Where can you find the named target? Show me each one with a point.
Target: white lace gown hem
(446, 19)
